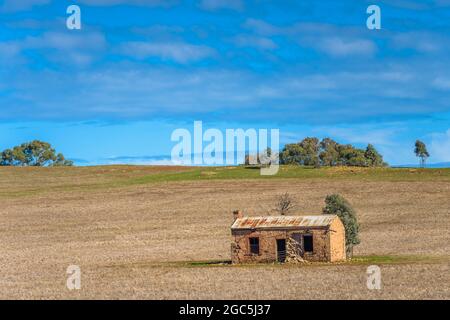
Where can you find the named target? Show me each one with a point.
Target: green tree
(7, 158)
(336, 204)
(329, 156)
(35, 153)
(310, 151)
(357, 159)
(306, 153)
(291, 154)
(351, 156)
(62, 161)
(374, 159)
(421, 151)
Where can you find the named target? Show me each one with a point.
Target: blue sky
(116, 89)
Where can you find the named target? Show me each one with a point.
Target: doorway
(281, 250)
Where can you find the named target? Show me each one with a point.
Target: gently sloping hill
(300, 172)
(27, 181)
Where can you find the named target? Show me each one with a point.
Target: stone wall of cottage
(337, 241)
(240, 247)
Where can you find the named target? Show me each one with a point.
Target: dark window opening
(254, 245)
(308, 243)
(281, 250)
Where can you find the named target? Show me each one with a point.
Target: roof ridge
(322, 220)
(281, 216)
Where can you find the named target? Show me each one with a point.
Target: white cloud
(9, 49)
(221, 4)
(130, 90)
(416, 5)
(136, 160)
(407, 4)
(149, 3)
(176, 51)
(254, 41)
(66, 47)
(24, 5)
(340, 47)
(117, 2)
(362, 134)
(158, 30)
(340, 41)
(21, 5)
(440, 146)
(264, 28)
(346, 41)
(424, 42)
(442, 83)
(66, 41)
(442, 3)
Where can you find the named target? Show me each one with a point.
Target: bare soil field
(138, 238)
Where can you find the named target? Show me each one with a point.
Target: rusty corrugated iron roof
(283, 222)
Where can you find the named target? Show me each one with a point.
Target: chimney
(237, 214)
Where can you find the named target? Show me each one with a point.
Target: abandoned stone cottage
(277, 238)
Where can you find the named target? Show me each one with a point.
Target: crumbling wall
(294, 251)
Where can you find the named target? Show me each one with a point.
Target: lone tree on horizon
(421, 151)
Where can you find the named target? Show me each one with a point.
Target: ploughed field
(163, 232)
